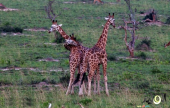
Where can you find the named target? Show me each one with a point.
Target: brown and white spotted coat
(75, 58)
(78, 52)
(97, 55)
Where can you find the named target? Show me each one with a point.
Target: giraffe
(99, 1)
(74, 59)
(77, 49)
(96, 55)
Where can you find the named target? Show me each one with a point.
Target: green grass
(137, 78)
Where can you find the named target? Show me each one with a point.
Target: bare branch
(80, 105)
(49, 10)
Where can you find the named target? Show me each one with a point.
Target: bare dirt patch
(36, 29)
(157, 23)
(51, 43)
(3, 8)
(15, 34)
(9, 9)
(43, 85)
(34, 69)
(70, 2)
(134, 58)
(18, 68)
(49, 59)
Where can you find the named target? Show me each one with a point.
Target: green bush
(11, 29)
(168, 20)
(59, 39)
(144, 44)
(65, 79)
(111, 57)
(155, 70)
(142, 55)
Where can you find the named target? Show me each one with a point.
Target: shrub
(144, 45)
(155, 70)
(168, 20)
(142, 55)
(65, 80)
(59, 39)
(111, 57)
(11, 29)
(8, 28)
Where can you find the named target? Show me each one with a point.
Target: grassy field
(27, 82)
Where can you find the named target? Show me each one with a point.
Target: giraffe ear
(60, 25)
(106, 18)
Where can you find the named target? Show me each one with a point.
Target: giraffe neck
(63, 34)
(80, 48)
(103, 38)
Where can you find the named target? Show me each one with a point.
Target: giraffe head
(111, 20)
(54, 26)
(72, 41)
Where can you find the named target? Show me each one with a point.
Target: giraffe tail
(76, 80)
(79, 79)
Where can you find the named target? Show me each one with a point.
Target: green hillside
(34, 69)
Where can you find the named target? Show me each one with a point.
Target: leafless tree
(50, 13)
(48, 9)
(131, 44)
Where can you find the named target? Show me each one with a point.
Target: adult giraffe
(78, 51)
(75, 58)
(96, 55)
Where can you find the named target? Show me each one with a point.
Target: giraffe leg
(83, 69)
(105, 76)
(72, 70)
(73, 85)
(95, 78)
(90, 76)
(81, 84)
(98, 80)
(85, 91)
(72, 90)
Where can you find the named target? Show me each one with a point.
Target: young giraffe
(96, 55)
(75, 59)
